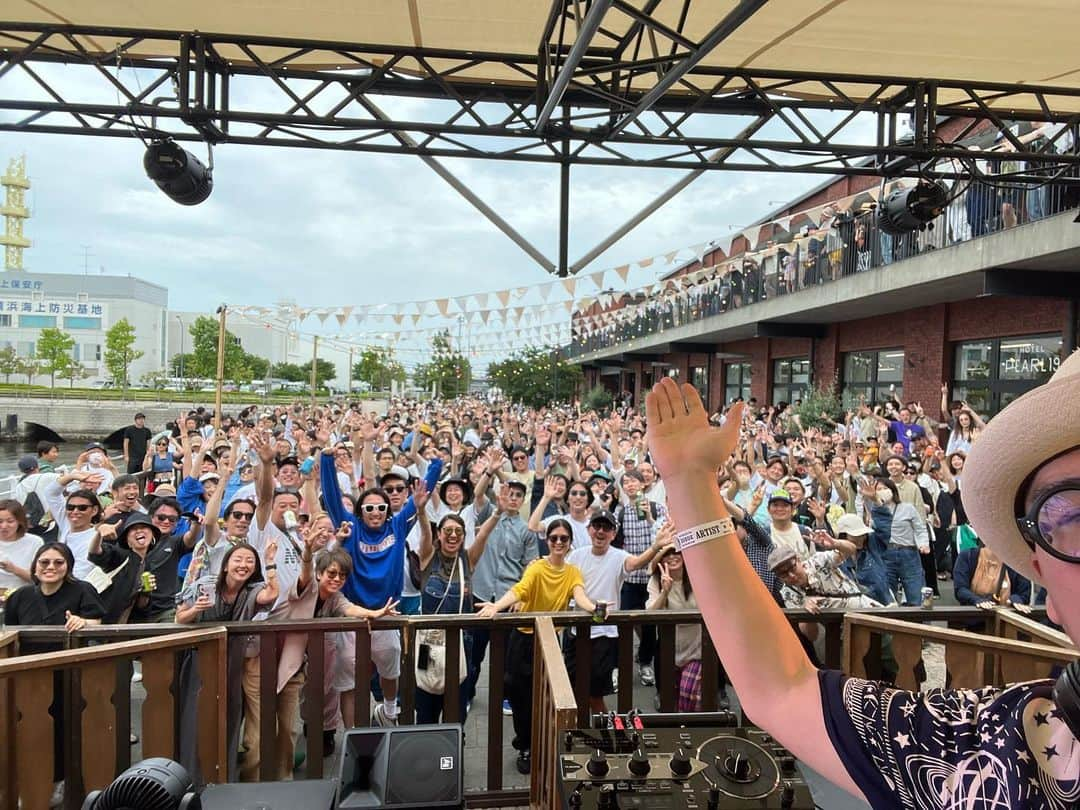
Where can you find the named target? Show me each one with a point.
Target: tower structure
(15, 183)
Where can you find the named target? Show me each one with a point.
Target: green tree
(9, 363)
(324, 372)
(290, 372)
(448, 369)
(74, 370)
(536, 376)
(31, 367)
(154, 380)
(378, 367)
(202, 362)
(54, 350)
(120, 351)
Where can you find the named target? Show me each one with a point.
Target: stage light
(157, 783)
(911, 209)
(177, 172)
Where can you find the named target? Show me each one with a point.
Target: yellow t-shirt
(543, 587)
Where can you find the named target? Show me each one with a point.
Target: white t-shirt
(21, 553)
(791, 538)
(413, 542)
(579, 527)
(289, 551)
(603, 575)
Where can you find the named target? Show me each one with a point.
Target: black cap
(603, 516)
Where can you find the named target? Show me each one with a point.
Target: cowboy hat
(1010, 448)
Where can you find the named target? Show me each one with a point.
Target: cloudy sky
(328, 228)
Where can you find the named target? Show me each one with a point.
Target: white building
(85, 307)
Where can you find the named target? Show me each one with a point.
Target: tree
(155, 380)
(120, 351)
(54, 350)
(536, 377)
(324, 372)
(73, 371)
(202, 362)
(449, 370)
(378, 367)
(290, 372)
(9, 363)
(31, 367)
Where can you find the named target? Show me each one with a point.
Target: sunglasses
(78, 507)
(51, 563)
(519, 458)
(237, 514)
(166, 518)
(394, 490)
(452, 532)
(558, 538)
(1053, 522)
(579, 493)
(603, 527)
(368, 508)
(338, 575)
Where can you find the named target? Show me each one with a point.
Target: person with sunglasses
(56, 598)
(1013, 746)
(159, 462)
(548, 584)
(578, 499)
(377, 544)
(76, 513)
(176, 537)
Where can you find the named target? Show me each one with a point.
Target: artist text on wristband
(704, 533)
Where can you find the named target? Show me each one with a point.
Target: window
(871, 374)
(75, 322)
(25, 348)
(699, 378)
(90, 352)
(989, 374)
(736, 382)
(37, 321)
(5, 320)
(790, 379)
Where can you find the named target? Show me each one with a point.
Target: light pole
(180, 321)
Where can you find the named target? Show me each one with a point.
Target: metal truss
(580, 100)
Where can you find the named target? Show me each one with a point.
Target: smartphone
(423, 656)
(307, 466)
(208, 589)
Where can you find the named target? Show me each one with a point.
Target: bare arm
(264, 479)
(536, 518)
(777, 682)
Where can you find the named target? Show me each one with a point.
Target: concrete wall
(86, 419)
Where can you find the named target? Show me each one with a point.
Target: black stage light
(911, 209)
(177, 172)
(153, 784)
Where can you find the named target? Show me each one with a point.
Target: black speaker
(401, 768)
(310, 794)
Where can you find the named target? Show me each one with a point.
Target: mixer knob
(714, 799)
(680, 762)
(598, 764)
(639, 763)
(607, 798)
(575, 797)
(736, 766)
(787, 766)
(787, 797)
(568, 742)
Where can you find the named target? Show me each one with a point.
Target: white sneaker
(648, 677)
(57, 798)
(615, 679)
(379, 717)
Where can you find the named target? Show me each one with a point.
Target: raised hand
(389, 609)
(270, 552)
(107, 531)
(420, 494)
(665, 580)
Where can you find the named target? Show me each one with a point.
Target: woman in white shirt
(76, 513)
(670, 589)
(17, 548)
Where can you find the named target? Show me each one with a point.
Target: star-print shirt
(953, 749)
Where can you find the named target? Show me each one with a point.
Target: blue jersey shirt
(378, 555)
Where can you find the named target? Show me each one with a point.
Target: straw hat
(1018, 440)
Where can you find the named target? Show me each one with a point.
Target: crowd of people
(464, 506)
(804, 251)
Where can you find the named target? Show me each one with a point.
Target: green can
(146, 585)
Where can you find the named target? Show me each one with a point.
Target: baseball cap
(852, 526)
(28, 463)
(781, 555)
(780, 495)
(210, 476)
(603, 515)
(397, 471)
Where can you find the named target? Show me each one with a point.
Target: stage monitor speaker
(401, 768)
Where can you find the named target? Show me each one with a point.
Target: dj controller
(674, 762)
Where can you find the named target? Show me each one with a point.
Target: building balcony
(792, 288)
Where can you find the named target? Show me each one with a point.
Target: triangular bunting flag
(623, 271)
(503, 296)
(570, 284)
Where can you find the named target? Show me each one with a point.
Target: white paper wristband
(704, 533)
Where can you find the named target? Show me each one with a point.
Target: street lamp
(183, 381)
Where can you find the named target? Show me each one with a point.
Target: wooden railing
(554, 712)
(971, 660)
(93, 687)
(153, 637)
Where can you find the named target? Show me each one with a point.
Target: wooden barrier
(968, 656)
(312, 633)
(91, 686)
(9, 647)
(554, 711)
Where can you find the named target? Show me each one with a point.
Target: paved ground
(825, 795)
